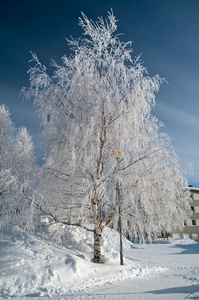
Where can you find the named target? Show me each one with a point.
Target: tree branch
(139, 159)
(62, 222)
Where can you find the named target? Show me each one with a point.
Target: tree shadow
(176, 290)
(188, 248)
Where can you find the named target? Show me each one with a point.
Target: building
(191, 228)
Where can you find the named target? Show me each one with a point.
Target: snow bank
(34, 265)
(182, 241)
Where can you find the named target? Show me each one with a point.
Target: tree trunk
(97, 244)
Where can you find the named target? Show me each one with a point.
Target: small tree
(96, 104)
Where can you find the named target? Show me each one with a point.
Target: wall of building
(191, 228)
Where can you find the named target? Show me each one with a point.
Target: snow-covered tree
(16, 171)
(25, 172)
(7, 180)
(99, 133)
(161, 201)
(24, 157)
(6, 134)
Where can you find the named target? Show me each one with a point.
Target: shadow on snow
(188, 248)
(177, 290)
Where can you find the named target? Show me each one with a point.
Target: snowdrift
(47, 264)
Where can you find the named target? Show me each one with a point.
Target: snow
(193, 189)
(44, 265)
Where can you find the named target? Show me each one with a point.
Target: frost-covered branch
(56, 220)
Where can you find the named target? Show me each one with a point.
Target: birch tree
(99, 131)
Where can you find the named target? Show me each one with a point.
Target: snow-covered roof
(193, 189)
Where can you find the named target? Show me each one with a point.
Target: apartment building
(191, 228)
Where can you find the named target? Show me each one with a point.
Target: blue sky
(166, 32)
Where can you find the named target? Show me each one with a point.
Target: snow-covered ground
(59, 266)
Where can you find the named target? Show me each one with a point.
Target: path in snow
(179, 281)
(33, 267)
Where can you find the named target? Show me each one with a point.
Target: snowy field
(44, 265)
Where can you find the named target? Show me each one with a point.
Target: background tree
(160, 201)
(25, 171)
(7, 180)
(16, 171)
(6, 134)
(98, 130)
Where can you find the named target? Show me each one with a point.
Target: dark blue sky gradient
(166, 32)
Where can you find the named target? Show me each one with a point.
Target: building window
(194, 222)
(192, 208)
(185, 223)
